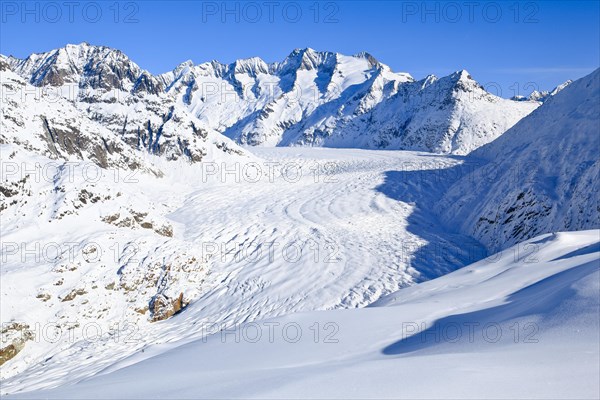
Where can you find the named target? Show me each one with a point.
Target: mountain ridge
(540, 176)
(311, 98)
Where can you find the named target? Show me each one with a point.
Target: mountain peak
(86, 65)
(372, 60)
(462, 75)
(185, 64)
(301, 51)
(79, 45)
(251, 66)
(429, 79)
(307, 59)
(84, 49)
(542, 96)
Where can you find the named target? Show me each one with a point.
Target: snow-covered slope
(453, 114)
(543, 175)
(50, 125)
(310, 98)
(515, 325)
(88, 202)
(134, 248)
(130, 222)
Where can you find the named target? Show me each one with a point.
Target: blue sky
(508, 46)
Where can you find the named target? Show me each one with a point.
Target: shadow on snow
(496, 324)
(422, 184)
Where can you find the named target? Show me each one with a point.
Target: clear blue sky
(508, 43)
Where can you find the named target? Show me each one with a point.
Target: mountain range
(311, 98)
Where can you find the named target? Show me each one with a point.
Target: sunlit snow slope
(131, 224)
(523, 323)
(326, 229)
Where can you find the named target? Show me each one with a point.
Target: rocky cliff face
(52, 126)
(87, 67)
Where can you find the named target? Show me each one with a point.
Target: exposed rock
(165, 230)
(162, 307)
(16, 333)
(43, 296)
(142, 310)
(138, 216)
(146, 225)
(74, 293)
(110, 219)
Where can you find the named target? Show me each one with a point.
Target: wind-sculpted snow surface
(310, 98)
(541, 176)
(97, 268)
(521, 324)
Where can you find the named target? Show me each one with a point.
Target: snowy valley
(322, 223)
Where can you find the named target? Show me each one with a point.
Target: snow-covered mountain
(52, 126)
(543, 95)
(453, 114)
(73, 181)
(88, 67)
(310, 98)
(543, 175)
(104, 86)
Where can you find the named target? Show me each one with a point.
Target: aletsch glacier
(434, 210)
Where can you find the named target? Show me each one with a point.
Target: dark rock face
(64, 131)
(148, 84)
(4, 66)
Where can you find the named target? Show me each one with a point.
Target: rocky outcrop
(52, 126)
(162, 307)
(17, 335)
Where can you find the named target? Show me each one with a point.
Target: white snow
(243, 249)
(311, 98)
(542, 175)
(511, 326)
(360, 250)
